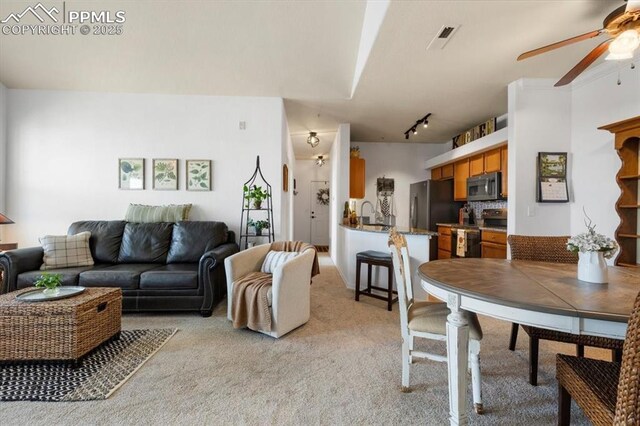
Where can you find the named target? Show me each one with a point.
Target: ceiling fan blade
(584, 63)
(632, 5)
(559, 44)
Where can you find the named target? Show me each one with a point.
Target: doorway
(319, 208)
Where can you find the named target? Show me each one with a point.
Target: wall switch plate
(531, 211)
(242, 125)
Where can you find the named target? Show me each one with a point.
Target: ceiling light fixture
(313, 139)
(320, 161)
(414, 129)
(623, 46)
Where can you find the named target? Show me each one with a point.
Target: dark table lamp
(4, 220)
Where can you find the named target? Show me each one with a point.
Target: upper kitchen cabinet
(447, 171)
(492, 161)
(460, 175)
(356, 177)
(436, 173)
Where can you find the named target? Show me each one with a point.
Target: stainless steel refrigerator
(431, 202)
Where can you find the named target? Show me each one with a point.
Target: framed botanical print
(198, 175)
(131, 173)
(165, 174)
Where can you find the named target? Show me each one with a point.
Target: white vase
(592, 267)
(51, 291)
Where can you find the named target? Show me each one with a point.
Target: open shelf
(629, 235)
(629, 206)
(629, 177)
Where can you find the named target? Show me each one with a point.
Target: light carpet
(343, 367)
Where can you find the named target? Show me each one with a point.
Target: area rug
(97, 376)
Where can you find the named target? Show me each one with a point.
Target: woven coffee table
(60, 330)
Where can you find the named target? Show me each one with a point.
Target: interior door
(320, 212)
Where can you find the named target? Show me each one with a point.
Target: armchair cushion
(275, 259)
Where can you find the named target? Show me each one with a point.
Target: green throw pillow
(149, 214)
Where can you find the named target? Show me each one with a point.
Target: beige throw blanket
(249, 302)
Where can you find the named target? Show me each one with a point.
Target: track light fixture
(414, 129)
(313, 140)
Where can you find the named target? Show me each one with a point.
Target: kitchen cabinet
(504, 157)
(447, 171)
(492, 161)
(436, 173)
(494, 244)
(444, 242)
(476, 165)
(460, 175)
(356, 177)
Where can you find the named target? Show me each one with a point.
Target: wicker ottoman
(61, 330)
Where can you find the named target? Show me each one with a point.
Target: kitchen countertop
(481, 228)
(382, 229)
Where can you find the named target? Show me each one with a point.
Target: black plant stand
(248, 212)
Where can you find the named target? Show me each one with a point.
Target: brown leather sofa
(159, 266)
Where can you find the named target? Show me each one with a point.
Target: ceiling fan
(622, 25)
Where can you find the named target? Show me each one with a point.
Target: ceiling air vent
(445, 33)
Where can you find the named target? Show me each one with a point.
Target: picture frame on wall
(131, 173)
(198, 175)
(165, 174)
(552, 177)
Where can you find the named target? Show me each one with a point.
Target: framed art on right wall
(198, 175)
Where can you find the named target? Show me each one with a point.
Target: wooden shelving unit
(627, 144)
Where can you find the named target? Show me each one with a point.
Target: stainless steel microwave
(484, 187)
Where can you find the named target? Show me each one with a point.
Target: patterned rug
(97, 376)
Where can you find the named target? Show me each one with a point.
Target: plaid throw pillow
(141, 213)
(65, 251)
(275, 259)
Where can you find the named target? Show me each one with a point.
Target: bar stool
(375, 258)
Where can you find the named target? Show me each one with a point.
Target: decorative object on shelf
(552, 177)
(259, 225)
(320, 161)
(313, 139)
(592, 249)
(385, 205)
(323, 196)
(346, 214)
(50, 282)
(253, 191)
(165, 174)
(198, 175)
(477, 132)
(285, 178)
(354, 152)
(131, 173)
(254, 195)
(424, 121)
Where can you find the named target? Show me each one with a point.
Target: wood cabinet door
(356, 177)
(494, 237)
(444, 242)
(492, 161)
(447, 171)
(494, 251)
(443, 254)
(460, 175)
(504, 154)
(436, 173)
(476, 165)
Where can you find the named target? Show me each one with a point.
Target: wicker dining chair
(607, 392)
(551, 249)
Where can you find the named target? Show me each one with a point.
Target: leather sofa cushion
(69, 276)
(126, 276)
(105, 238)
(177, 276)
(190, 240)
(145, 242)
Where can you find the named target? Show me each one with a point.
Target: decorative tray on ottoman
(39, 295)
(62, 330)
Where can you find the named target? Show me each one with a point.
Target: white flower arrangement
(591, 241)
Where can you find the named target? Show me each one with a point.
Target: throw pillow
(65, 251)
(141, 213)
(275, 259)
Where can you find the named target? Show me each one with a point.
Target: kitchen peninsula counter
(383, 229)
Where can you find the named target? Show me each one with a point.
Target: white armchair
(289, 296)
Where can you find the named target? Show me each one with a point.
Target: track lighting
(414, 129)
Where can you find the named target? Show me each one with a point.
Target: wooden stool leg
(564, 406)
(369, 268)
(390, 292)
(358, 264)
(580, 351)
(534, 345)
(514, 336)
(616, 355)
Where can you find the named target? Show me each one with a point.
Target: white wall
(404, 162)
(63, 150)
(539, 121)
(307, 171)
(3, 152)
(288, 158)
(339, 191)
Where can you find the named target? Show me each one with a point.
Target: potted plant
(256, 194)
(259, 225)
(50, 282)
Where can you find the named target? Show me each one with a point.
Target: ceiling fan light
(619, 56)
(623, 46)
(313, 140)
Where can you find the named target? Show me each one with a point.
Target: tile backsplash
(478, 206)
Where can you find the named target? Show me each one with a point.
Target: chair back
(541, 249)
(402, 271)
(627, 405)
